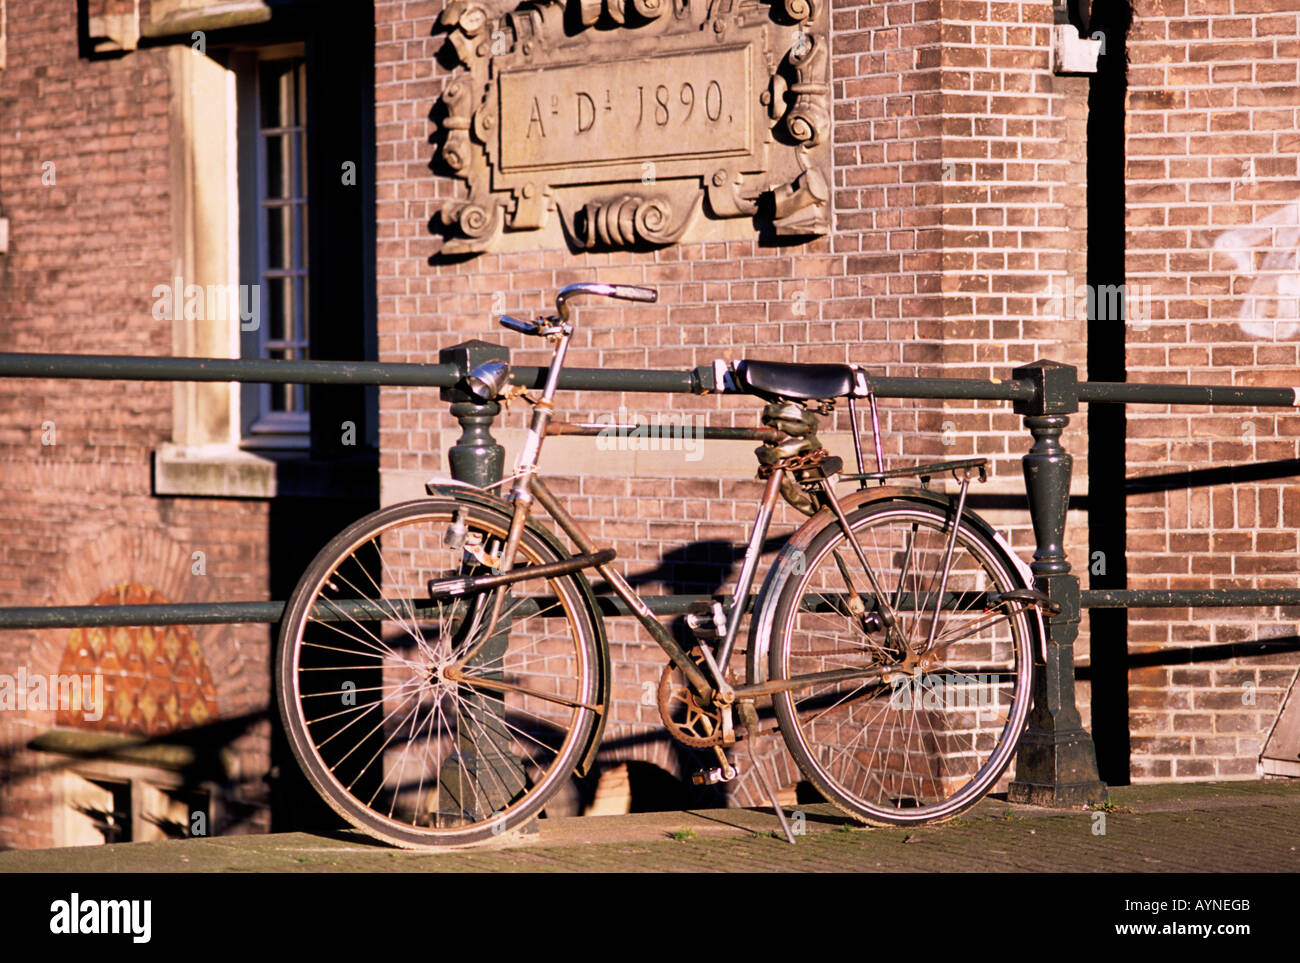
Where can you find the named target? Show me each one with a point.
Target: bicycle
(443, 669)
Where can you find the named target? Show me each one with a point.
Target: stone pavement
(1235, 827)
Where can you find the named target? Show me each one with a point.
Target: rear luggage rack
(924, 472)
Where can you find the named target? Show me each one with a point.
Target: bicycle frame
(528, 487)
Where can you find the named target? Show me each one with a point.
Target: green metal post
(483, 775)
(1056, 764)
(476, 457)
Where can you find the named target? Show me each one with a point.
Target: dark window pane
(279, 166)
(279, 98)
(279, 321)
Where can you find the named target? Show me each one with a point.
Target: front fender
(760, 626)
(452, 488)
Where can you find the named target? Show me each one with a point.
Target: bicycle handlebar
(623, 292)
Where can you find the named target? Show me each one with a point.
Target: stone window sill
(224, 471)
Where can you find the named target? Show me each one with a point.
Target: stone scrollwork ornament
(631, 121)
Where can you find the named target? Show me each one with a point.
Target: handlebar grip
(624, 292)
(630, 292)
(514, 324)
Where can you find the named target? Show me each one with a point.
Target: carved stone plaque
(631, 119)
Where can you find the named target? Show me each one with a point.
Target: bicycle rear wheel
(912, 731)
(410, 722)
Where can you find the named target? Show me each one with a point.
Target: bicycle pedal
(716, 775)
(707, 621)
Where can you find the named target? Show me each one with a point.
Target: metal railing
(1056, 764)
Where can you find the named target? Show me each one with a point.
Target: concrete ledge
(217, 471)
(224, 471)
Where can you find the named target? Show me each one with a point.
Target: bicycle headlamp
(485, 381)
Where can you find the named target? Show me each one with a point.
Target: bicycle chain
(795, 462)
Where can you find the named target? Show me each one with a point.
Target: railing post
(476, 457)
(473, 782)
(1056, 764)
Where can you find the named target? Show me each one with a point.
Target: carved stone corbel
(808, 119)
(802, 207)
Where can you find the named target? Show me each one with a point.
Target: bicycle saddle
(778, 379)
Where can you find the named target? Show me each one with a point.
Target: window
(115, 802)
(272, 154)
(274, 187)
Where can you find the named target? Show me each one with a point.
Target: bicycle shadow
(702, 567)
(697, 568)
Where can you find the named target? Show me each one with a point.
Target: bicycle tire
(910, 745)
(360, 684)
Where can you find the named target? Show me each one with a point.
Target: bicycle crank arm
(451, 587)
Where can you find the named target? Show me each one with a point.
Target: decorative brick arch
(157, 679)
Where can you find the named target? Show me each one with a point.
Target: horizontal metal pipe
(1128, 393)
(109, 367)
(222, 613)
(957, 389)
(176, 613)
(133, 368)
(696, 381)
(1187, 598)
(612, 379)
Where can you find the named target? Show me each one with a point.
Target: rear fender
(456, 489)
(760, 626)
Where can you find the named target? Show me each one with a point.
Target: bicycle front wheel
(917, 723)
(413, 719)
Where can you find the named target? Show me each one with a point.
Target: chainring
(686, 720)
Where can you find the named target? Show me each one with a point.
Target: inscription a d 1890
(571, 118)
(657, 113)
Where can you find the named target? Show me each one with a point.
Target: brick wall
(1213, 196)
(84, 184)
